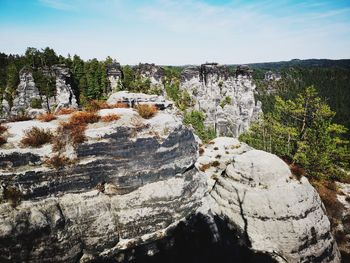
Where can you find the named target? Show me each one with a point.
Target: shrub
(20, 117)
(110, 117)
(96, 105)
(146, 111)
(204, 167)
(226, 101)
(196, 119)
(13, 195)
(36, 103)
(65, 111)
(46, 117)
(119, 105)
(57, 161)
(2, 140)
(201, 151)
(36, 137)
(73, 130)
(215, 164)
(84, 117)
(3, 129)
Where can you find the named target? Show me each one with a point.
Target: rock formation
(114, 76)
(227, 98)
(29, 100)
(137, 189)
(26, 94)
(152, 72)
(256, 192)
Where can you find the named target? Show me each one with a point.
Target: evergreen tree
(302, 131)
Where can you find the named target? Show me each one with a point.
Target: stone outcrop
(342, 230)
(256, 192)
(64, 97)
(29, 100)
(152, 72)
(226, 97)
(26, 94)
(137, 190)
(146, 180)
(114, 76)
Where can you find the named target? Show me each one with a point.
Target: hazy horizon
(173, 32)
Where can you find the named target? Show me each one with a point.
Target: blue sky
(179, 31)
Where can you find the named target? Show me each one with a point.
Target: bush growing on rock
(36, 137)
(110, 118)
(57, 161)
(13, 195)
(83, 117)
(196, 119)
(65, 111)
(2, 140)
(96, 105)
(46, 117)
(146, 111)
(36, 103)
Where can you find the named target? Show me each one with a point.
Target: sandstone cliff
(226, 97)
(138, 190)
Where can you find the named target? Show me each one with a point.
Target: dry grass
(22, 117)
(36, 137)
(2, 140)
(3, 129)
(110, 117)
(215, 163)
(13, 195)
(70, 131)
(119, 105)
(46, 117)
(57, 161)
(297, 170)
(65, 111)
(146, 111)
(201, 151)
(96, 105)
(204, 167)
(84, 117)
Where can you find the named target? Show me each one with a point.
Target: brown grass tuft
(21, 117)
(119, 105)
(75, 132)
(110, 117)
(215, 163)
(13, 195)
(3, 129)
(84, 117)
(96, 105)
(146, 111)
(297, 170)
(2, 140)
(36, 137)
(57, 161)
(46, 117)
(204, 167)
(65, 111)
(201, 151)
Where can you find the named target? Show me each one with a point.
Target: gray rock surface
(146, 181)
(210, 84)
(276, 213)
(114, 76)
(27, 93)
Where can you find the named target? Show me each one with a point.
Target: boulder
(256, 192)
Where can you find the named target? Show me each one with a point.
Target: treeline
(332, 85)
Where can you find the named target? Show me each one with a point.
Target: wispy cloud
(58, 4)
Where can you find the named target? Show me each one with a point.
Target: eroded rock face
(26, 93)
(146, 179)
(29, 100)
(342, 231)
(256, 193)
(227, 98)
(114, 76)
(151, 71)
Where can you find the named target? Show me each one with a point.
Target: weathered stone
(114, 76)
(227, 99)
(256, 193)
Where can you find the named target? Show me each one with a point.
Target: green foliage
(226, 101)
(196, 119)
(36, 103)
(302, 130)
